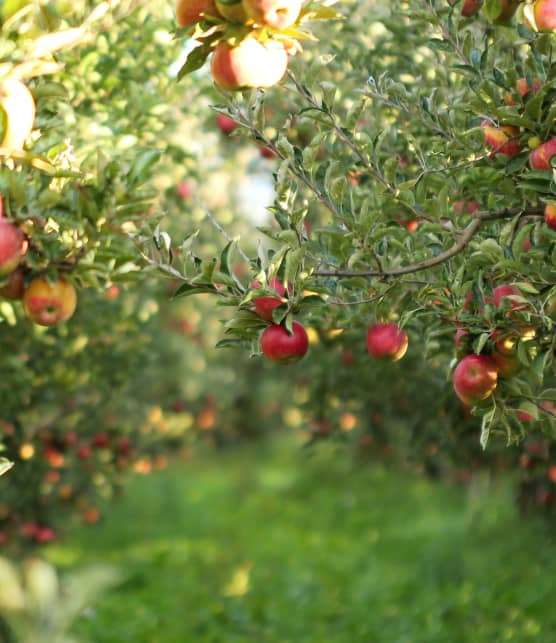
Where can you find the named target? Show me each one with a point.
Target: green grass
(336, 551)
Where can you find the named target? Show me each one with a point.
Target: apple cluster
(249, 41)
(539, 15)
(476, 375)
(46, 303)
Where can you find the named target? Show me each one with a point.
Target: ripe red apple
(469, 207)
(188, 12)
(539, 159)
(387, 342)
(502, 292)
(48, 304)
(277, 14)
(266, 152)
(15, 287)
(184, 190)
(83, 452)
(470, 8)
(544, 12)
(100, 440)
(475, 378)
(226, 124)
(265, 305)
(550, 216)
(44, 535)
(522, 87)
(507, 365)
(11, 244)
(249, 64)
(281, 347)
(233, 12)
(500, 139)
(507, 11)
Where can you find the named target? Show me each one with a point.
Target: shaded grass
(275, 545)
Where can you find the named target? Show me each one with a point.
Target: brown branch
(466, 236)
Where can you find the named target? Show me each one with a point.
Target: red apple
(544, 12)
(470, 8)
(539, 159)
(550, 216)
(83, 452)
(15, 287)
(387, 342)
(184, 190)
(100, 440)
(266, 152)
(502, 292)
(279, 346)
(11, 244)
(469, 207)
(188, 12)
(265, 305)
(522, 87)
(502, 139)
(249, 64)
(277, 14)
(48, 304)
(44, 535)
(475, 378)
(226, 124)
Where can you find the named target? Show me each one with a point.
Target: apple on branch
(188, 12)
(283, 347)
(502, 139)
(475, 378)
(387, 342)
(277, 14)
(11, 247)
(539, 159)
(48, 303)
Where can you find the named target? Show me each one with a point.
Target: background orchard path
(275, 544)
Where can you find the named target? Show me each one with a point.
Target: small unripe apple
(226, 124)
(248, 65)
(539, 159)
(15, 287)
(500, 139)
(550, 216)
(188, 12)
(475, 378)
(277, 14)
(544, 12)
(233, 12)
(278, 345)
(265, 305)
(11, 247)
(48, 304)
(387, 342)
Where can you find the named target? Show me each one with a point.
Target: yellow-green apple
(523, 88)
(226, 124)
(11, 247)
(249, 64)
(48, 303)
(386, 342)
(550, 216)
(544, 12)
(18, 105)
(502, 139)
(277, 14)
(475, 378)
(14, 288)
(265, 305)
(188, 12)
(278, 345)
(232, 11)
(539, 159)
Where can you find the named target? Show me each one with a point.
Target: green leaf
(196, 59)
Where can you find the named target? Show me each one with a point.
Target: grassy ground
(273, 545)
